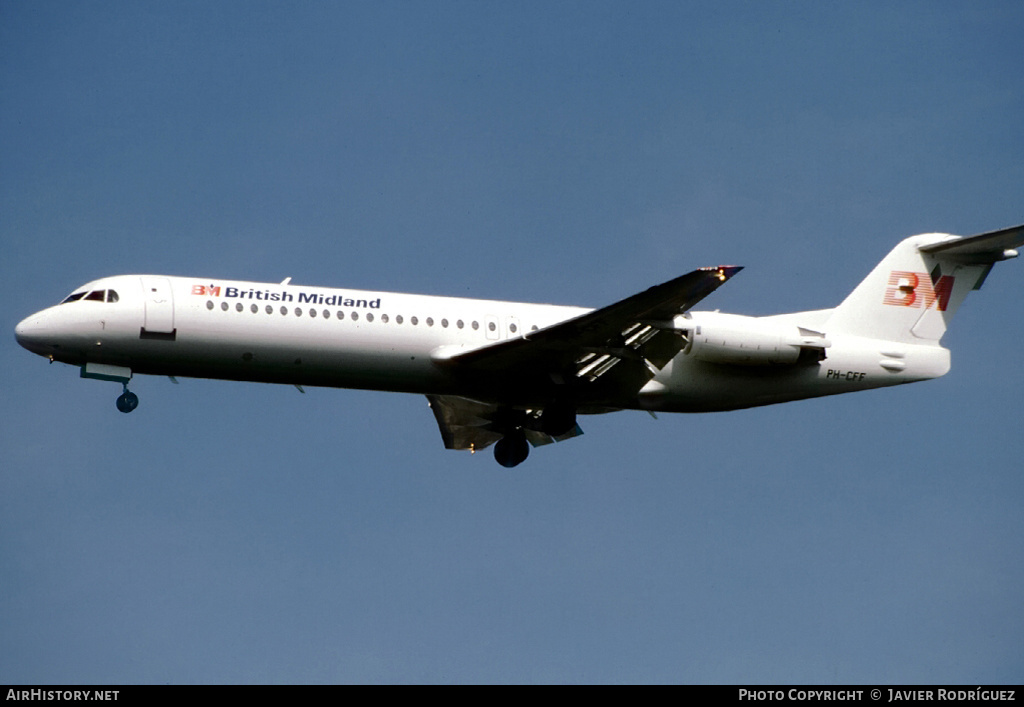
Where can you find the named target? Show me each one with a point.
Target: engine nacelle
(750, 341)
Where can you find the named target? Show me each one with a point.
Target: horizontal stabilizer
(984, 248)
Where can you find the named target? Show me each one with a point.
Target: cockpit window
(94, 296)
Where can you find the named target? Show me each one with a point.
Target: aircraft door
(159, 303)
(512, 327)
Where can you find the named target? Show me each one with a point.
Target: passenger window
(298, 311)
(430, 321)
(284, 311)
(355, 316)
(327, 315)
(312, 313)
(341, 315)
(369, 316)
(476, 325)
(209, 304)
(398, 319)
(224, 306)
(270, 310)
(414, 321)
(254, 308)
(239, 307)
(384, 318)
(460, 324)
(444, 323)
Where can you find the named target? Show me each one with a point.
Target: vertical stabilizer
(914, 292)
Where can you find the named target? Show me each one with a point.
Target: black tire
(512, 449)
(127, 401)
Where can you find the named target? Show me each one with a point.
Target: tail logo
(916, 289)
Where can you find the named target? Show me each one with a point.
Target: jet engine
(750, 341)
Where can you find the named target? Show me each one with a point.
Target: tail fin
(914, 292)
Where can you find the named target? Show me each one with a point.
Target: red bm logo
(916, 289)
(208, 290)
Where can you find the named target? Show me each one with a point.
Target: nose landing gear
(127, 401)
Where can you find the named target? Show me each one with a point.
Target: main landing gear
(556, 420)
(127, 401)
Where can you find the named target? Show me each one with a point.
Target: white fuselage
(293, 334)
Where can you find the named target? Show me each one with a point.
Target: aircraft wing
(592, 348)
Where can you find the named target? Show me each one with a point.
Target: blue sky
(555, 152)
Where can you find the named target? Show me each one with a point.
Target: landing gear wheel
(512, 449)
(127, 401)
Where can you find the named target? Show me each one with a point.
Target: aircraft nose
(31, 333)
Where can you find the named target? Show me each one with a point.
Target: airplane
(515, 375)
